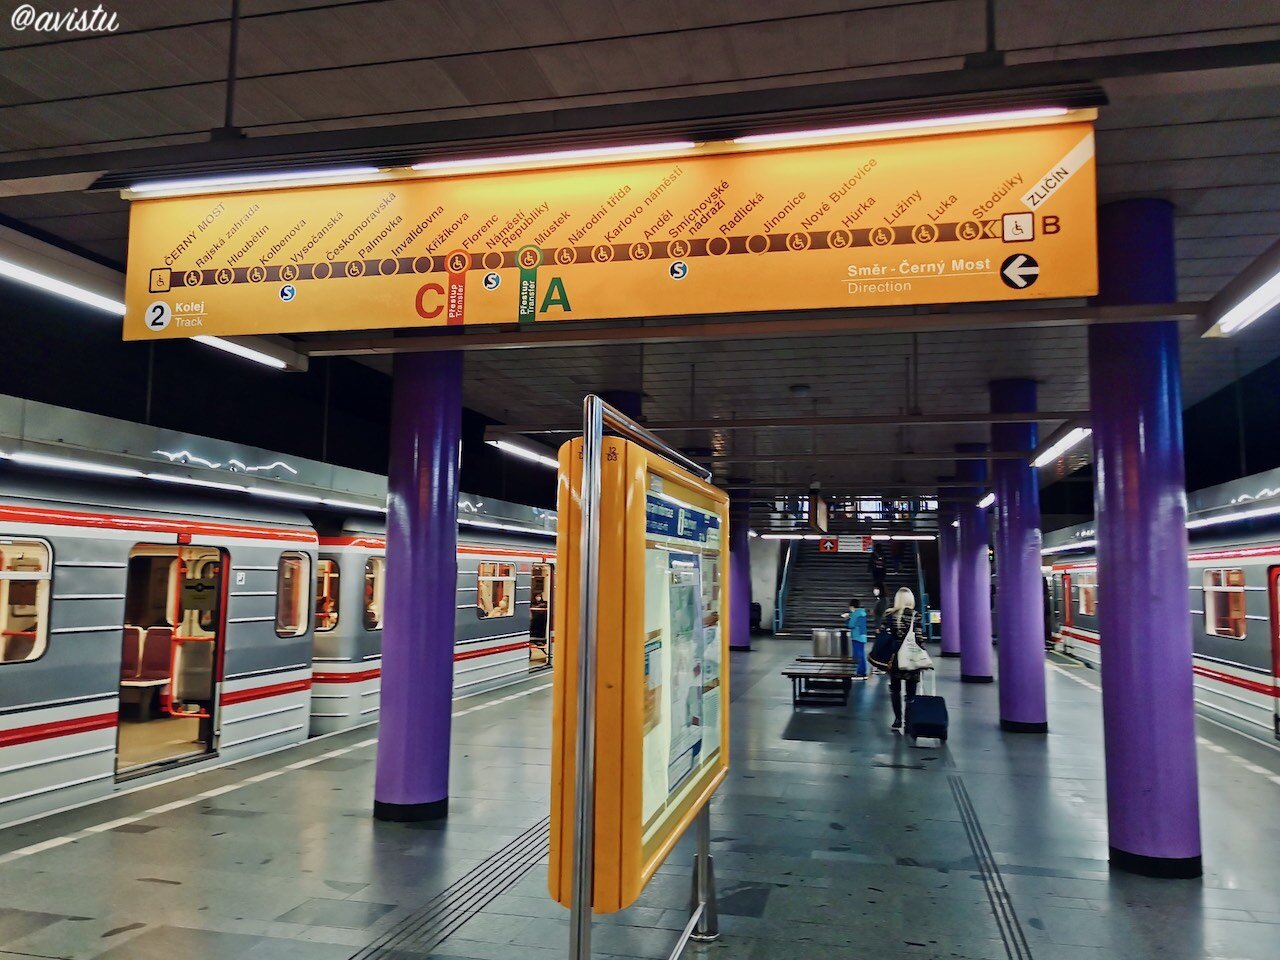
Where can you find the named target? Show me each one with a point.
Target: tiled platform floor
(833, 837)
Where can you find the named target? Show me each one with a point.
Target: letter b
(1050, 223)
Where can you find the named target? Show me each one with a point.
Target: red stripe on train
(105, 521)
(1255, 686)
(356, 677)
(261, 693)
(488, 651)
(56, 728)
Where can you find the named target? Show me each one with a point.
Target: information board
(662, 736)
(978, 215)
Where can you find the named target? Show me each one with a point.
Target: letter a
(556, 296)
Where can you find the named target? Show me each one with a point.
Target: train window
(328, 582)
(1224, 613)
(375, 570)
(1087, 587)
(496, 590)
(292, 591)
(24, 599)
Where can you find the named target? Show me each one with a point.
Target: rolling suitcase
(927, 715)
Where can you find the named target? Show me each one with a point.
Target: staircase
(820, 585)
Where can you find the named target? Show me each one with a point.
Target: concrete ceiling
(1202, 131)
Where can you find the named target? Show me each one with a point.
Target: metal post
(585, 761)
(704, 883)
(595, 415)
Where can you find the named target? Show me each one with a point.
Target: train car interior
(24, 599)
(172, 643)
(541, 583)
(328, 594)
(375, 581)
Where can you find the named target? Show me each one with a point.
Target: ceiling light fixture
(42, 281)
(253, 181)
(1057, 449)
(987, 502)
(240, 350)
(1081, 545)
(491, 525)
(284, 495)
(557, 157)
(352, 505)
(897, 126)
(524, 453)
(1232, 517)
(80, 466)
(193, 482)
(1260, 301)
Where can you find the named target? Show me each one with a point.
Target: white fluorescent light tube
(1257, 304)
(1232, 517)
(240, 350)
(914, 536)
(892, 126)
(560, 156)
(781, 536)
(350, 505)
(1081, 545)
(490, 525)
(283, 495)
(1069, 440)
(82, 466)
(193, 482)
(41, 281)
(988, 501)
(881, 536)
(524, 453)
(252, 181)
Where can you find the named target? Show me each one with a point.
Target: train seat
(131, 653)
(157, 654)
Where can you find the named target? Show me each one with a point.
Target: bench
(819, 681)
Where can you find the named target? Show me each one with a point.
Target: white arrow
(1019, 270)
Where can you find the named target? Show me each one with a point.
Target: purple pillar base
(411, 812)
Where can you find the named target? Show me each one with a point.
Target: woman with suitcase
(901, 621)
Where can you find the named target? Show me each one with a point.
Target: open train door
(541, 584)
(1273, 592)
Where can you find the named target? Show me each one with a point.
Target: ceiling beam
(499, 430)
(706, 116)
(808, 323)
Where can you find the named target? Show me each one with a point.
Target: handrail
(780, 602)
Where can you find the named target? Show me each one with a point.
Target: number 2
(157, 316)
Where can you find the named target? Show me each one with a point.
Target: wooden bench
(819, 681)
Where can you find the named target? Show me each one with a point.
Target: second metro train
(141, 631)
(1233, 596)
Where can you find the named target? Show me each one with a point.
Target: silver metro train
(1233, 594)
(143, 630)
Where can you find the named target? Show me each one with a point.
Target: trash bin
(833, 642)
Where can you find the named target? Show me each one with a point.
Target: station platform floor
(833, 838)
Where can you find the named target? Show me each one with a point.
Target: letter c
(423, 312)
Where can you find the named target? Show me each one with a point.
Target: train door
(1273, 591)
(541, 583)
(1068, 612)
(171, 652)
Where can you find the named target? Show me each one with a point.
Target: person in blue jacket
(857, 620)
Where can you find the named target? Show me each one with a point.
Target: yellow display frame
(623, 862)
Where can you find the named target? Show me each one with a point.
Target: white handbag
(912, 656)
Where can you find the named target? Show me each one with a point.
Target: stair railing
(780, 602)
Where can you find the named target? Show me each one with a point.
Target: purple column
(739, 570)
(1140, 501)
(973, 565)
(949, 573)
(1020, 593)
(421, 589)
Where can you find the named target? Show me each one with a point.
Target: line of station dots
(530, 257)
